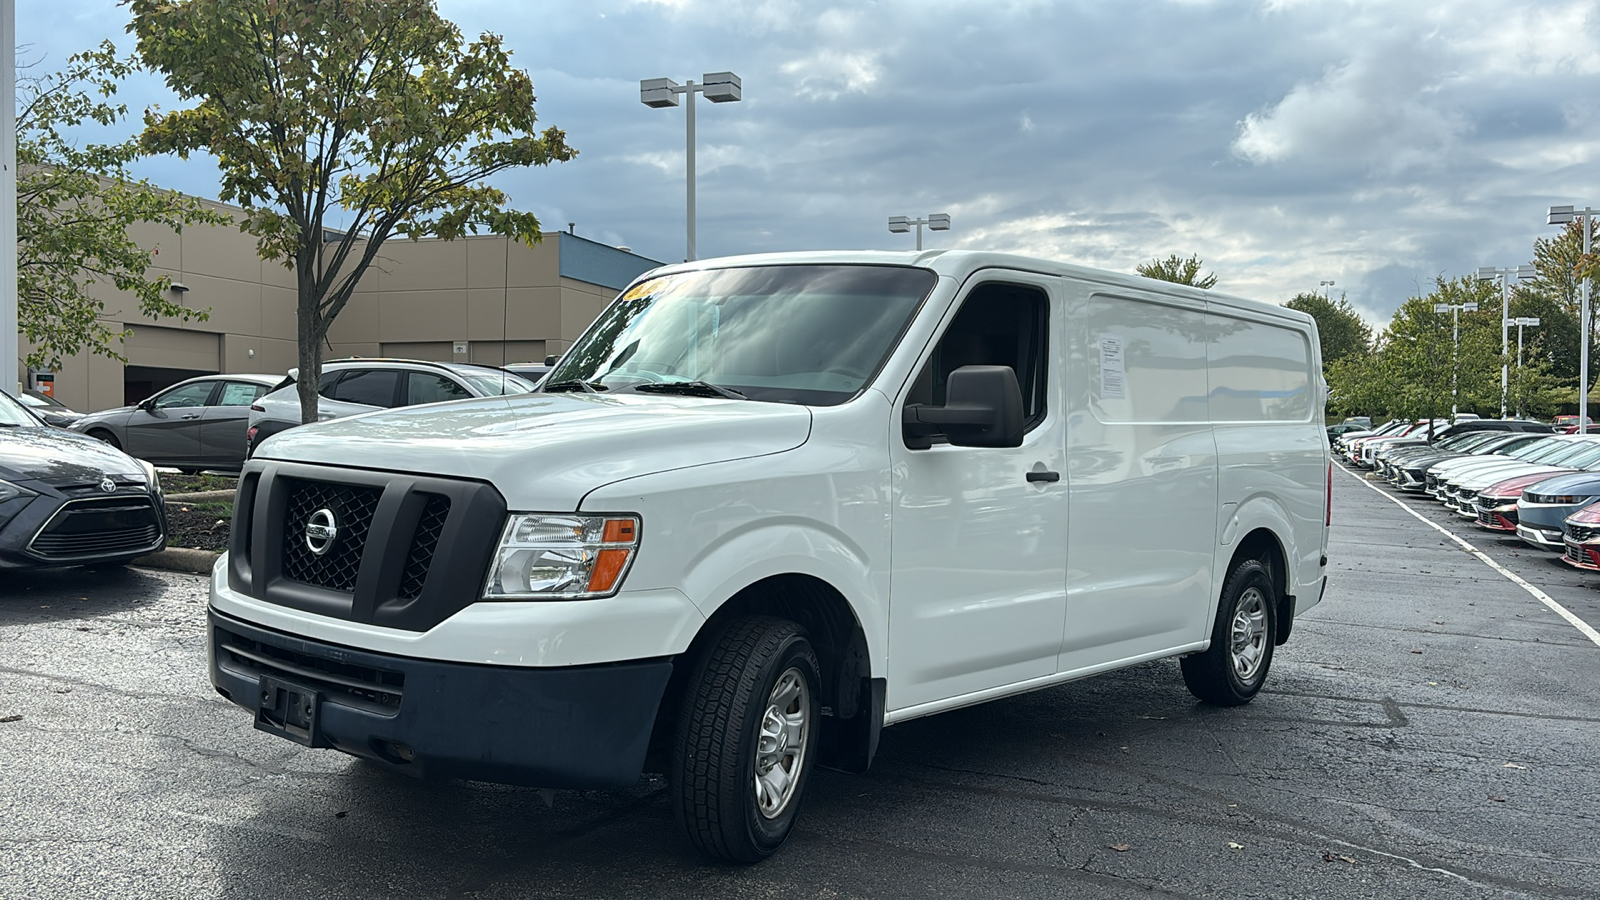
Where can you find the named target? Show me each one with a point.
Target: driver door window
(184, 397)
(998, 325)
(371, 387)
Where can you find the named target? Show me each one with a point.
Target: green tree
(1553, 295)
(1339, 328)
(1423, 366)
(368, 115)
(75, 204)
(1177, 270)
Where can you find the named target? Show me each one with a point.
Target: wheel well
(1262, 544)
(830, 624)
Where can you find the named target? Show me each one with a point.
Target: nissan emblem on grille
(321, 531)
(107, 485)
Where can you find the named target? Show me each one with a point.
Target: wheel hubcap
(1249, 638)
(781, 745)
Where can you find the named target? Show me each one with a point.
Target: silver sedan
(195, 424)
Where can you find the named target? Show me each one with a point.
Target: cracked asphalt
(1429, 731)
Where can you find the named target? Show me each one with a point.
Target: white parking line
(1587, 629)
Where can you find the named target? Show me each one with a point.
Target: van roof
(959, 264)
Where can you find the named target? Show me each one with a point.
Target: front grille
(1575, 555)
(352, 507)
(1581, 533)
(1466, 495)
(100, 527)
(423, 545)
(379, 690)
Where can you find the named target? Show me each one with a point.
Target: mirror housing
(983, 408)
(148, 404)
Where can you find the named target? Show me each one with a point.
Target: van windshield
(812, 334)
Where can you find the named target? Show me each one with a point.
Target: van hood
(544, 452)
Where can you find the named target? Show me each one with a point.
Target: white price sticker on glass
(1113, 382)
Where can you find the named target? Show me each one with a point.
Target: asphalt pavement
(1429, 731)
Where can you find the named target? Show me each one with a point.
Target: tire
(104, 435)
(1234, 668)
(735, 802)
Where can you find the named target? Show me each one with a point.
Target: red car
(1569, 424)
(1581, 534)
(1497, 504)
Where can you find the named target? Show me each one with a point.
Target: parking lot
(1429, 731)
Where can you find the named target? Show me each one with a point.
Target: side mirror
(983, 408)
(148, 404)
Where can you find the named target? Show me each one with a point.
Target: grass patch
(194, 484)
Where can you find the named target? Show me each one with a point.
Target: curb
(180, 559)
(200, 497)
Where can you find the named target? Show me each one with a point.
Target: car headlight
(1564, 498)
(151, 478)
(562, 557)
(9, 491)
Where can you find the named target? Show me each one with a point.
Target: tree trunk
(308, 334)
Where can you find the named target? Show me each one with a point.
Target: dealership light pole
(1566, 215)
(1521, 322)
(660, 93)
(8, 196)
(1327, 289)
(1505, 276)
(1455, 310)
(935, 222)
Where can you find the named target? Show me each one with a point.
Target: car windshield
(1538, 450)
(1568, 451)
(1588, 456)
(492, 382)
(793, 334)
(37, 400)
(13, 415)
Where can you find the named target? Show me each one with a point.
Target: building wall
(420, 299)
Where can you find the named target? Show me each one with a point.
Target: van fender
(741, 558)
(1252, 513)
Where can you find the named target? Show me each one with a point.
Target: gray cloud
(1285, 142)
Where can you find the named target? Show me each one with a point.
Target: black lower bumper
(575, 727)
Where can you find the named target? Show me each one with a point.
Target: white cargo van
(766, 506)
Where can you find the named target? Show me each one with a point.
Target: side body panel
(1143, 471)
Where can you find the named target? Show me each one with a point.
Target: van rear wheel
(1234, 668)
(746, 739)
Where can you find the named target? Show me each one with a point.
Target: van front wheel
(1232, 671)
(746, 739)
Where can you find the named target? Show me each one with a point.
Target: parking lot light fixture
(1566, 215)
(1455, 310)
(662, 93)
(935, 222)
(1327, 289)
(1505, 277)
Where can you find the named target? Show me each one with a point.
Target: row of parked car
(80, 489)
(1511, 477)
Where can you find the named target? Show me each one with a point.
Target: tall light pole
(8, 196)
(1327, 289)
(1521, 322)
(1505, 277)
(1566, 215)
(660, 93)
(1455, 309)
(935, 222)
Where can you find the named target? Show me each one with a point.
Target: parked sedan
(1581, 538)
(352, 386)
(193, 425)
(48, 408)
(1544, 506)
(68, 500)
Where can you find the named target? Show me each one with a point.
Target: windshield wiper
(688, 389)
(575, 384)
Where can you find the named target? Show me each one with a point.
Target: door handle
(1043, 476)
(192, 416)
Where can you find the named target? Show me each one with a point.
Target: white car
(765, 507)
(350, 387)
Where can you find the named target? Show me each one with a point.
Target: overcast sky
(1286, 142)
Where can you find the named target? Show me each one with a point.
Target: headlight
(9, 491)
(1565, 498)
(555, 557)
(152, 478)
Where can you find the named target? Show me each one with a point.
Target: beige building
(478, 299)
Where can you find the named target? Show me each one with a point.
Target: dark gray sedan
(68, 500)
(193, 425)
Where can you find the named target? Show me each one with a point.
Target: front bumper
(46, 531)
(1542, 538)
(566, 727)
